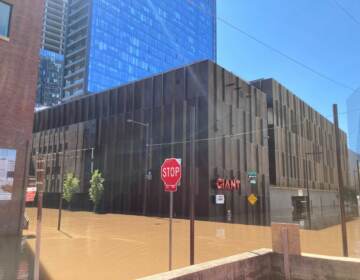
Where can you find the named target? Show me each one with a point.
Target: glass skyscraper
(112, 42)
(353, 108)
(50, 78)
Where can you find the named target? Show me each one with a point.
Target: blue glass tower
(112, 42)
(353, 108)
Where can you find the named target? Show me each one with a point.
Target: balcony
(76, 73)
(54, 12)
(53, 37)
(71, 63)
(75, 12)
(79, 19)
(75, 52)
(73, 31)
(52, 22)
(77, 39)
(70, 85)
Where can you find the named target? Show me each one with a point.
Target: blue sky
(316, 32)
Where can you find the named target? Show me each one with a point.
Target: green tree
(96, 188)
(71, 186)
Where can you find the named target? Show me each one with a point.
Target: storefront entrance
(299, 204)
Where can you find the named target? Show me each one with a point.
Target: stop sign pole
(171, 176)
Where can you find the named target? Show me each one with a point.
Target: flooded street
(15, 259)
(113, 246)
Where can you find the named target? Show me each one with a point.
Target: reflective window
(133, 39)
(5, 13)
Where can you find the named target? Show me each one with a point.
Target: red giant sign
(171, 174)
(228, 184)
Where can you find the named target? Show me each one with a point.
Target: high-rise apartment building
(353, 116)
(54, 26)
(51, 68)
(112, 42)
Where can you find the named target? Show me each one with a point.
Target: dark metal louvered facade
(227, 116)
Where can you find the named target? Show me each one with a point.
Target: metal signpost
(40, 179)
(171, 175)
(252, 199)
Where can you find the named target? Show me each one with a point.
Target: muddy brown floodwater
(114, 246)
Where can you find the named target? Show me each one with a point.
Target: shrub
(96, 187)
(71, 186)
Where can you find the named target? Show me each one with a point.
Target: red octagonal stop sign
(171, 174)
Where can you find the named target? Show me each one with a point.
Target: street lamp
(147, 174)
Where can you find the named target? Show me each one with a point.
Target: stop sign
(171, 174)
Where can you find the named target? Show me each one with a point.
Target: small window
(5, 16)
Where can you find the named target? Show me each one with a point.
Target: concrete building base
(324, 207)
(263, 264)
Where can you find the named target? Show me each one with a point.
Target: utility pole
(62, 182)
(358, 173)
(61, 191)
(308, 206)
(147, 176)
(358, 196)
(192, 186)
(341, 183)
(308, 210)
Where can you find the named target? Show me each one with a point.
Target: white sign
(300, 193)
(219, 199)
(7, 170)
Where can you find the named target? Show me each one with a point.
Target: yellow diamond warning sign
(252, 199)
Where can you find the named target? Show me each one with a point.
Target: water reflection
(17, 259)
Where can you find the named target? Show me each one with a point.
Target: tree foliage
(71, 186)
(96, 187)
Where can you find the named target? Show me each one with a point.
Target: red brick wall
(18, 76)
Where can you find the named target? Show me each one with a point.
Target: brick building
(20, 31)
